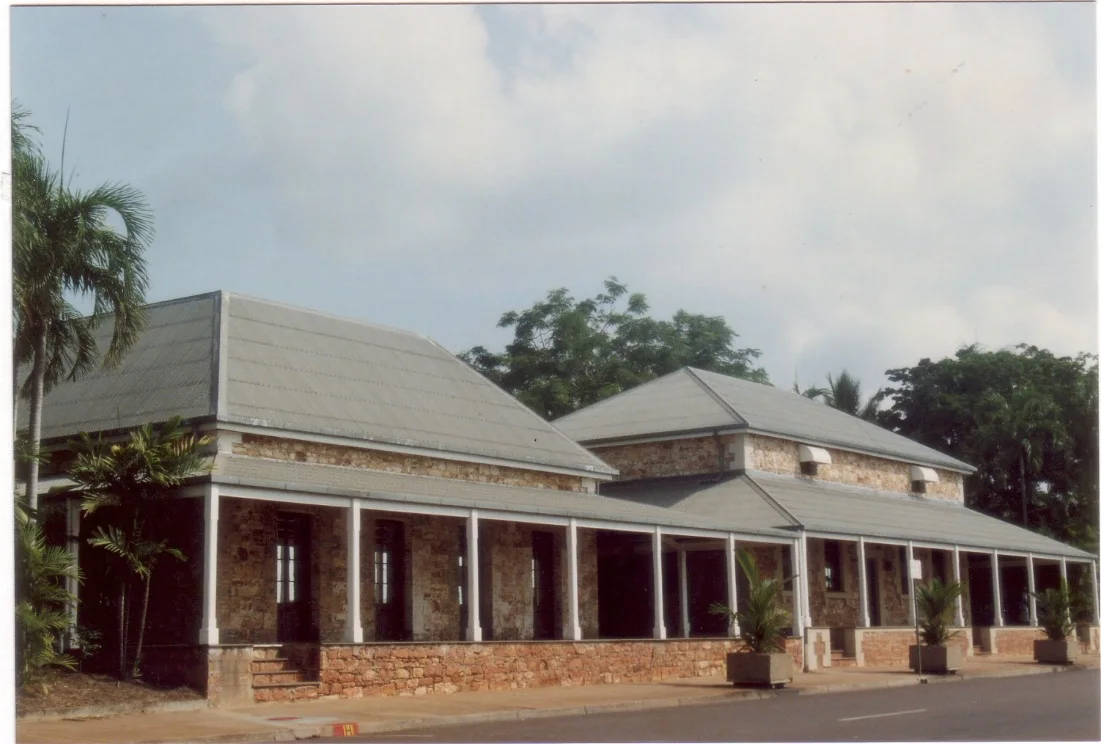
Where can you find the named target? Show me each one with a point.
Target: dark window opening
(808, 468)
(389, 578)
(834, 580)
(543, 584)
(904, 570)
(918, 486)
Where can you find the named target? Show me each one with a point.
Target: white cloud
(861, 178)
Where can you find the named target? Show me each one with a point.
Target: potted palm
(763, 622)
(1054, 614)
(936, 604)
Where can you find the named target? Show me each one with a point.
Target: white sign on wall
(915, 569)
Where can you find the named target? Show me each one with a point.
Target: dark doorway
(544, 599)
(625, 585)
(706, 585)
(872, 577)
(980, 580)
(485, 582)
(390, 581)
(292, 575)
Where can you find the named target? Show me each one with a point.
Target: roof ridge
(738, 418)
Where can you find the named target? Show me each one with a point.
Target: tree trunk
(15, 400)
(1024, 491)
(38, 372)
(141, 627)
(122, 632)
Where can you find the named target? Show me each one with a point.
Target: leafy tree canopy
(567, 354)
(1027, 419)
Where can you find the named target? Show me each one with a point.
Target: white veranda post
(912, 606)
(659, 596)
(72, 530)
(682, 591)
(208, 633)
(996, 572)
(1031, 592)
(574, 631)
(804, 571)
(473, 604)
(732, 583)
(353, 629)
(956, 577)
(1096, 593)
(862, 572)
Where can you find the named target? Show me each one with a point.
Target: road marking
(882, 715)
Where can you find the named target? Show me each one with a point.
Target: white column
(912, 606)
(659, 597)
(208, 633)
(1031, 592)
(573, 633)
(804, 569)
(999, 616)
(473, 604)
(862, 572)
(72, 531)
(682, 586)
(1063, 569)
(1096, 594)
(353, 624)
(732, 583)
(956, 578)
(797, 588)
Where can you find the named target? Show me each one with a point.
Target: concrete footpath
(307, 719)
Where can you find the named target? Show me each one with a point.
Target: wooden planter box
(1055, 652)
(936, 659)
(771, 670)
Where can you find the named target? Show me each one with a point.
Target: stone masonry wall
(512, 593)
(421, 669)
(891, 647)
(295, 450)
(833, 609)
(435, 547)
(1016, 641)
(782, 456)
(329, 560)
(669, 458)
(587, 601)
(246, 571)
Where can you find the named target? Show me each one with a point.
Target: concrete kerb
(108, 711)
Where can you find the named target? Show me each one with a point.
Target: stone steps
(838, 659)
(280, 674)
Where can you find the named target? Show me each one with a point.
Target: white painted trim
(862, 574)
(364, 444)
(682, 586)
(732, 582)
(473, 604)
(999, 615)
(659, 595)
(1063, 569)
(1096, 593)
(798, 600)
(808, 621)
(923, 474)
(208, 633)
(573, 633)
(852, 537)
(1031, 593)
(353, 625)
(911, 606)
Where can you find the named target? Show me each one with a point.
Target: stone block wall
(667, 458)
(295, 450)
(587, 600)
(329, 567)
(1016, 641)
(512, 593)
(782, 456)
(833, 609)
(434, 545)
(229, 675)
(245, 603)
(422, 669)
(890, 647)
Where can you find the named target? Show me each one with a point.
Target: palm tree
(844, 395)
(129, 481)
(64, 251)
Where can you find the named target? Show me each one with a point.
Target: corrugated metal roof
(334, 479)
(692, 400)
(842, 510)
(732, 502)
(170, 371)
(304, 371)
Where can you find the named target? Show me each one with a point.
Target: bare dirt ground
(64, 690)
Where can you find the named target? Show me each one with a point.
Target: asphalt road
(1049, 707)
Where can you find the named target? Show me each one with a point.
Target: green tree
(41, 598)
(1027, 419)
(65, 250)
(568, 353)
(129, 481)
(844, 394)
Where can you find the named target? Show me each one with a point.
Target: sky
(850, 186)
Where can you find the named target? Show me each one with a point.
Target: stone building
(862, 502)
(379, 519)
